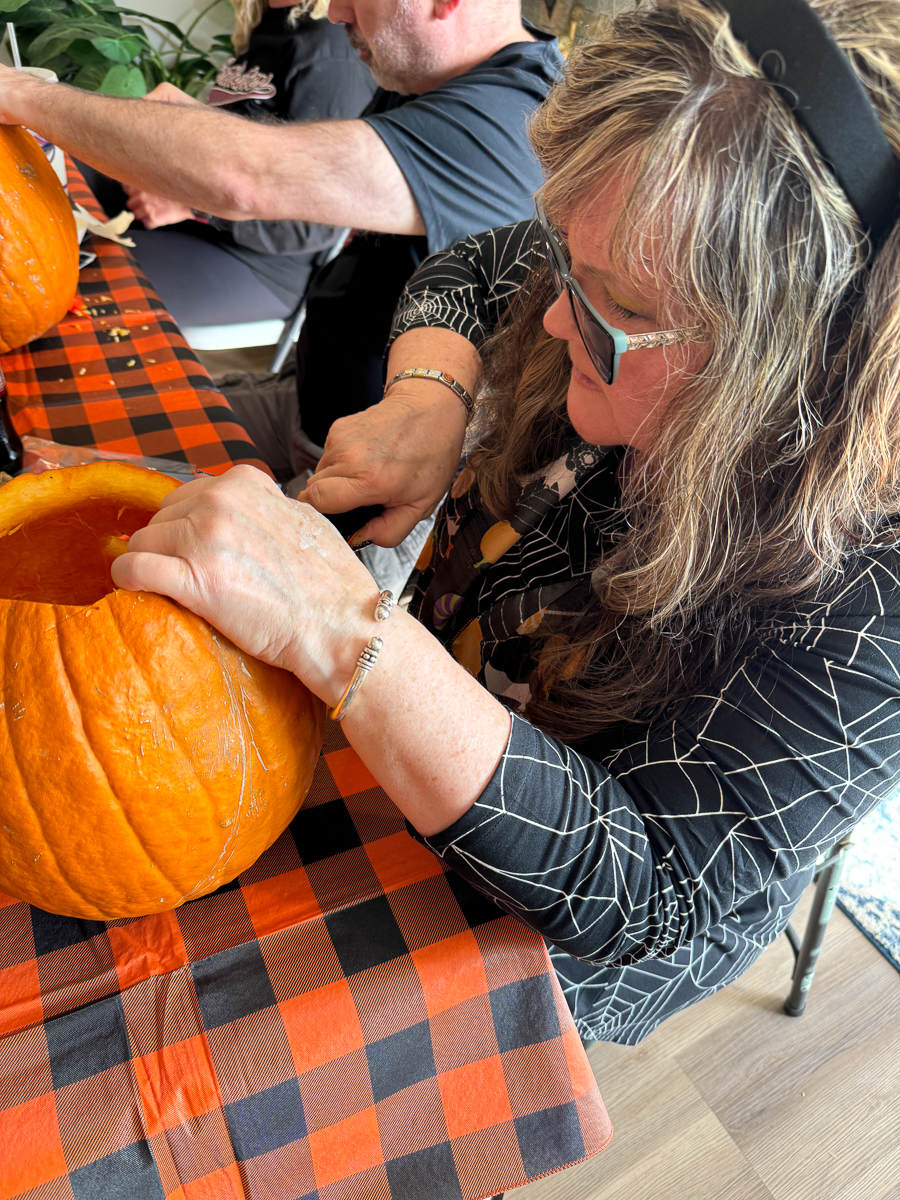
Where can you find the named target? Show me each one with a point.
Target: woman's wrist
(416, 395)
(428, 732)
(328, 666)
(442, 378)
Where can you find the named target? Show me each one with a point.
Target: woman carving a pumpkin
(688, 657)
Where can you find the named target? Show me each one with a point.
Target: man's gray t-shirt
(464, 151)
(463, 148)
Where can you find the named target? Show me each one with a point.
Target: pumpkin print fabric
(493, 589)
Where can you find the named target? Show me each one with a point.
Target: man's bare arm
(331, 172)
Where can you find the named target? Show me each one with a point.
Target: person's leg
(266, 406)
(202, 284)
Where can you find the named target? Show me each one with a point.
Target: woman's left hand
(270, 573)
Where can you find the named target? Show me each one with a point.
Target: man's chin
(387, 81)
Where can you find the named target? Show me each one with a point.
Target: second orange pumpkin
(38, 242)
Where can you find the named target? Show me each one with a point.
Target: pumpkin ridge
(123, 812)
(35, 811)
(227, 851)
(36, 298)
(160, 708)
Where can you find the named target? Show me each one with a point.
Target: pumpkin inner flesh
(64, 557)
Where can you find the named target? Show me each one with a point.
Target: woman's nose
(559, 321)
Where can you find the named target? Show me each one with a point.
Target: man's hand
(15, 87)
(168, 93)
(153, 211)
(401, 453)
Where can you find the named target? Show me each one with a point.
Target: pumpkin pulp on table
(144, 759)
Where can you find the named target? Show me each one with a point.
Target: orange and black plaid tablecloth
(117, 374)
(346, 1021)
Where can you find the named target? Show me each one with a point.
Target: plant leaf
(117, 50)
(60, 34)
(114, 80)
(62, 66)
(90, 77)
(169, 25)
(82, 52)
(136, 83)
(189, 67)
(123, 81)
(43, 49)
(10, 6)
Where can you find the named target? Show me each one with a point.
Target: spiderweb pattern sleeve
(633, 857)
(468, 288)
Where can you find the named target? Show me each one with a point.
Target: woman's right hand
(401, 454)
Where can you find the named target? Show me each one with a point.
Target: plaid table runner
(346, 1021)
(117, 373)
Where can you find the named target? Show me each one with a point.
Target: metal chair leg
(828, 879)
(289, 335)
(294, 324)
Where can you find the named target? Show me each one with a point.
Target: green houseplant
(103, 47)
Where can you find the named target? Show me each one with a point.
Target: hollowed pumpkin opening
(61, 531)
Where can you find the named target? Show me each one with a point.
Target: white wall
(218, 20)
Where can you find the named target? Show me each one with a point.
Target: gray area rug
(870, 887)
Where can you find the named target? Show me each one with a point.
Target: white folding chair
(277, 332)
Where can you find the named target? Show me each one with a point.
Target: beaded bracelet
(440, 377)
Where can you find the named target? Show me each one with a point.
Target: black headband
(795, 51)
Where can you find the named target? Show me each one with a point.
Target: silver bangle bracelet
(367, 658)
(439, 377)
(384, 605)
(364, 665)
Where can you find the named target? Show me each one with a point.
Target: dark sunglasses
(604, 344)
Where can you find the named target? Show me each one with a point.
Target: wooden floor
(734, 1100)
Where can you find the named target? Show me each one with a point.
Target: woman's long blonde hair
(782, 455)
(248, 14)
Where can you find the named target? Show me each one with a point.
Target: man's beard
(397, 62)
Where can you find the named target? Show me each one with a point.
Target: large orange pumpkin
(144, 759)
(38, 242)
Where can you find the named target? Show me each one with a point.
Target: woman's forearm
(430, 734)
